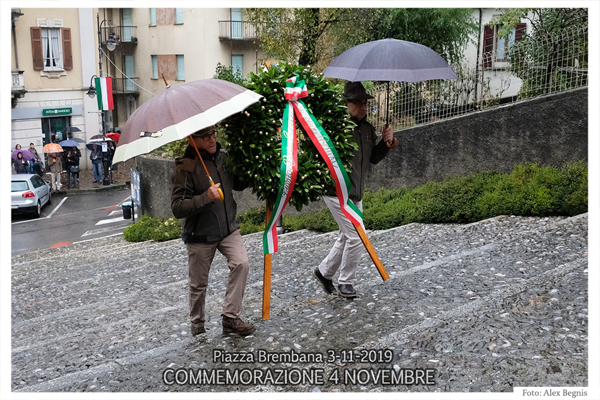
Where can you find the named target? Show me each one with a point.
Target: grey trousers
(200, 257)
(347, 249)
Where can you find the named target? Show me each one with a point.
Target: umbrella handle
(221, 196)
(392, 143)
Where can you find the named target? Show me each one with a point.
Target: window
(154, 67)
(153, 17)
(179, 15)
(180, 68)
(237, 62)
(51, 47)
(496, 49)
(36, 181)
(236, 23)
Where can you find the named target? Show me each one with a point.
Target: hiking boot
(236, 325)
(196, 330)
(346, 290)
(326, 283)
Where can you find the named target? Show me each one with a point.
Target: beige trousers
(200, 257)
(347, 249)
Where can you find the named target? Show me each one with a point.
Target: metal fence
(535, 66)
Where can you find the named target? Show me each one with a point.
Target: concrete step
(135, 308)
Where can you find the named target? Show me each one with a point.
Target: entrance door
(236, 23)
(130, 72)
(127, 25)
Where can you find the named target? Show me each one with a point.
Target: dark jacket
(368, 153)
(73, 159)
(21, 166)
(202, 220)
(98, 153)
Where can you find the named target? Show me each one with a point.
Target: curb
(113, 186)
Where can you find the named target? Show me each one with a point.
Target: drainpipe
(16, 13)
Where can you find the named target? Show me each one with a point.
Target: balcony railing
(121, 34)
(236, 30)
(125, 86)
(17, 80)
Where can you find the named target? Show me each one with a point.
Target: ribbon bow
(295, 108)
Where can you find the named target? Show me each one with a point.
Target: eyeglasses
(206, 136)
(358, 102)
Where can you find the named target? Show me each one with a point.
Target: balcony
(121, 34)
(18, 87)
(236, 30)
(125, 86)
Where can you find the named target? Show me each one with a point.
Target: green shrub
(157, 229)
(253, 220)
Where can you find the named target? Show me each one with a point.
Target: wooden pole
(266, 308)
(372, 253)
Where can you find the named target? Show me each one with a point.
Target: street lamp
(111, 44)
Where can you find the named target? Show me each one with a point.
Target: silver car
(29, 193)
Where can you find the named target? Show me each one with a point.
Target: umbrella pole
(206, 170)
(392, 144)
(372, 252)
(266, 307)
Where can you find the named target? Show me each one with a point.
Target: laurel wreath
(253, 140)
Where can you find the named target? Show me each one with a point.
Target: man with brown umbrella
(209, 224)
(346, 252)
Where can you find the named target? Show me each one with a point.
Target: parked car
(29, 193)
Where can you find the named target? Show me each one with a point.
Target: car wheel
(49, 197)
(38, 210)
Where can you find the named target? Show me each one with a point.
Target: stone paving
(483, 307)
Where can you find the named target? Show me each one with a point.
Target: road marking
(109, 221)
(57, 207)
(60, 244)
(102, 230)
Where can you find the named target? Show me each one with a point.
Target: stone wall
(551, 130)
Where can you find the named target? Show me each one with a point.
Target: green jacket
(202, 220)
(368, 153)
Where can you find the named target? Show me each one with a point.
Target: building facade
(56, 53)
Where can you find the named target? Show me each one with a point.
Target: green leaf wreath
(253, 140)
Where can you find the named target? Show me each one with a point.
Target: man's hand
(387, 135)
(213, 192)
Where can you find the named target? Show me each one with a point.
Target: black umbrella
(389, 60)
(72, 129)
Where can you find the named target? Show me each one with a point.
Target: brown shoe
(196, 330)
(238, 326)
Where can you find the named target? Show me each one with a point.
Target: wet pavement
(482, 307)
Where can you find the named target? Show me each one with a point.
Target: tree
(557, 42)
(314, 36)
(293, 34)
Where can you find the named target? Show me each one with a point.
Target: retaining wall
(550, 131)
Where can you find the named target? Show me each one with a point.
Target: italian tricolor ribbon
(289, 166)
(104, 93)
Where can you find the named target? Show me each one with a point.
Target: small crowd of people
(58, 162)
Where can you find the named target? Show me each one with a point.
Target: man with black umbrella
(346, 252)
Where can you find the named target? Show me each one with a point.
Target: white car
(29, 193)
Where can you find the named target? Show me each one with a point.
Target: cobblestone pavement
(483, 307)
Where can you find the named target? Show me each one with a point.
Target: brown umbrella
(178, 112)
(52, 148)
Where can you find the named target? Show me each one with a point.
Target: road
(70, 218)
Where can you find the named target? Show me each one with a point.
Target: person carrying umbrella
(55, 164)
(346, 252)
(20, 164)
(210, 224)
(96, 157)
(72, 166)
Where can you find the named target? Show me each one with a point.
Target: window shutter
(488, 46)
(66, 47)
(36, 48)
(520, 31)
